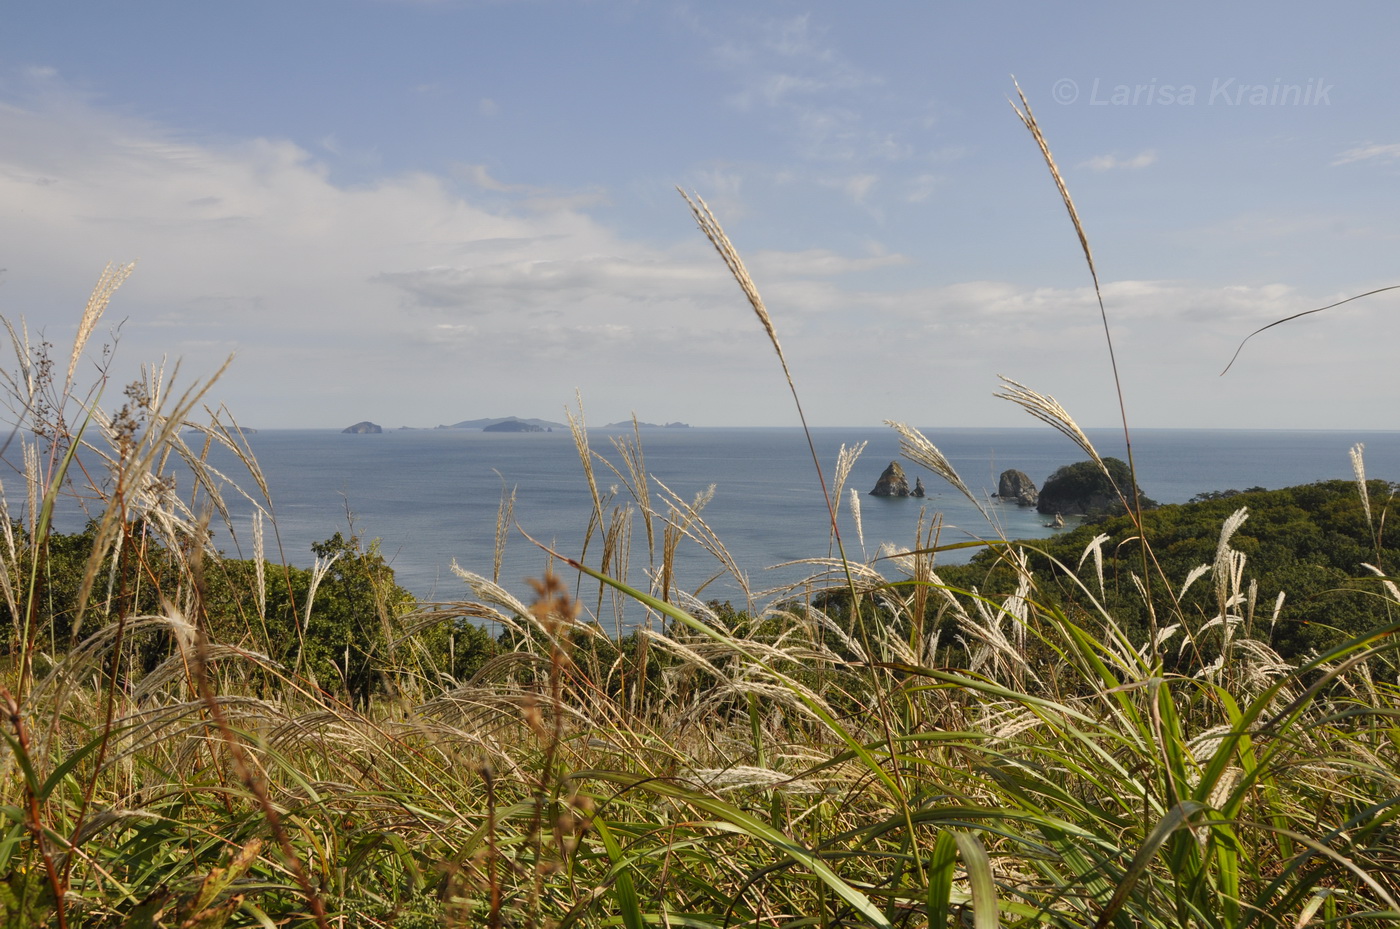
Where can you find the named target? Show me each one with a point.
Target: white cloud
(1390, 152)
(819, 262)
(921, 187)
(252, 247)
(859, 186)
(1114, 163)
(406, 301)
(1300, 224)
(538, 199)
(781, 60)
(480, 175)
(817, 95)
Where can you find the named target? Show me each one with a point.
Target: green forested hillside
(1310, 543)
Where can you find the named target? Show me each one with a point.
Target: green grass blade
(74, 759)
(940, 879)
(624, 891)
(979, 877)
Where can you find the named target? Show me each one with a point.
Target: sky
(418, 213)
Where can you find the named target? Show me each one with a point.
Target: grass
(857, 753)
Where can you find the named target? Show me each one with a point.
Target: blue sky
(422, 212)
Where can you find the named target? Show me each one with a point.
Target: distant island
(514, 425)
(365, 427)
(517, 424)
(627, 424)
(542, 425)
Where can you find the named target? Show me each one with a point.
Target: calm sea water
(430, 497)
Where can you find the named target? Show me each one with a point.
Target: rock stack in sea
(892, 482)
(1018, 486)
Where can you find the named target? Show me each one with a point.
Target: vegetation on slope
(1306, 547)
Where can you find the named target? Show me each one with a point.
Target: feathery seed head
(1049, 411)
(918, 449)
(1358, 467)
(715, 233)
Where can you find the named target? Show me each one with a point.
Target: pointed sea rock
(892, 483)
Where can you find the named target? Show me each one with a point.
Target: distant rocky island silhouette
(509, 424)
(518, 424)
(364, 427)
(627, 424)
(503, 424)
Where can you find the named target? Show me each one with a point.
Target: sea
(430, 499)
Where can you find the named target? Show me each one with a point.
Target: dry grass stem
(636, 480)
(1027, 118)
(685, 520)
(855, 517)
(1288, 319)
(845, 460)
